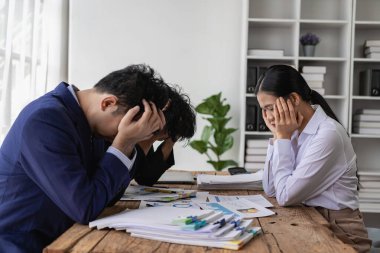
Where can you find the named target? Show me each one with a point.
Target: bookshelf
(365, 26)
(343, 26)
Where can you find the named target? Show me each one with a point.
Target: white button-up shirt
(316, 167)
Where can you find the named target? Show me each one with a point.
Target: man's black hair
(134, 83)
(180, 116)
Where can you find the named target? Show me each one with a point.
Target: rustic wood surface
(292, 229)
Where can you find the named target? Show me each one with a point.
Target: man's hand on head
(131, 131)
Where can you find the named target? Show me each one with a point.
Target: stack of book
(255, 154)
(266, 52)
(372, 49)
(183, 225)
(369, 191)
(367, 121)
(315, 76)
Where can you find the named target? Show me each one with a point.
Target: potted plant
(309, 41)
(216, 138)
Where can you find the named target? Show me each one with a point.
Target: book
(372, 43)
(370, 184)
(369, 207)
(251, 166)
(256, 151)
(369, 82)
(314, 69)
(251, 116)
(315, 84)
(365, 124)
(176, 177)
(255, 158)
(266, 52)
(257, 143)
(367, 117)
(366, 130)
(368, 50)
(251, 78)
(369, 111)
(313, 77)
(373, 55)
(320, 90)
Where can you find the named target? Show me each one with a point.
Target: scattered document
(181, 203)
(240, 207)
(252, 181)
(257, 199)
(146, 193)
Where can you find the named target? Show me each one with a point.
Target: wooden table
(292, 229)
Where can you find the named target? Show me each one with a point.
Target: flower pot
(308, 50)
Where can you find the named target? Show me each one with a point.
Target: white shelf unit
(343, 26)
(278, 24)
(365, 26)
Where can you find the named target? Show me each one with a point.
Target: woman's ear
(295, 98)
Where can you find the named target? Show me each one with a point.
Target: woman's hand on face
(269, 125)
(285, 117)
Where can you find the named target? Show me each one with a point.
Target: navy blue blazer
(52, 174)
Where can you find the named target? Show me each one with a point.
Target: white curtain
(27, 37)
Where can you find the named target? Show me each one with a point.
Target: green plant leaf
(210, 105)
(228, 143)
(218, 122)
(222, 110)
(199, 146)
(206, 133)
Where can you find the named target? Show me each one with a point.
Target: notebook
(176, 177)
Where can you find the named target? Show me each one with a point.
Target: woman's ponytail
(317, 98)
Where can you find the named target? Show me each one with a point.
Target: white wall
(194, 43)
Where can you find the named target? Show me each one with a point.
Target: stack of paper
(314, 76)
(367, 121)
(372, 49)
(369, 192)
(185, 226)
(139, 192)
(252, 181)
(255, 154)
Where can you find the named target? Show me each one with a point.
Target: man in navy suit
(69, 154)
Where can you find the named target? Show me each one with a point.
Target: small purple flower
(309, 39)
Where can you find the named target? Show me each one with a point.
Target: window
(23, 57)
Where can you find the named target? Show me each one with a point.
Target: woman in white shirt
(310, 158)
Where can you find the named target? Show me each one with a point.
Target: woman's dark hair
(134, 83)
(281, 80)
(180, 115)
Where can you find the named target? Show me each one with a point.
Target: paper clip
(196, 225)
(221, 223)
(240, 228)
(236, 223)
